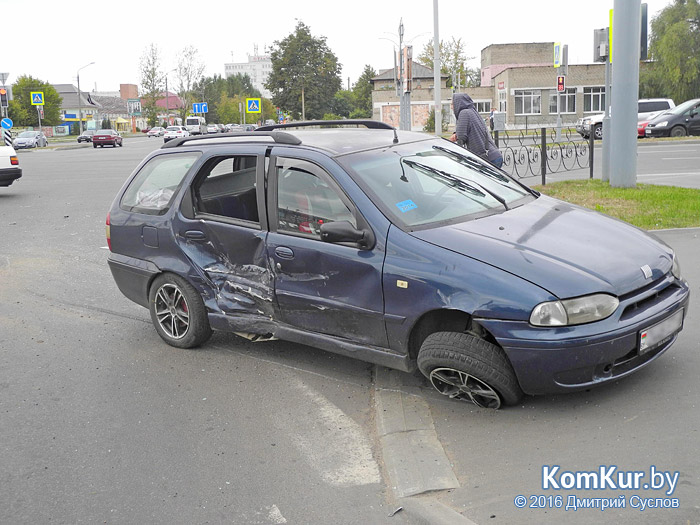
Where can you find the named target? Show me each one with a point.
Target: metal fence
(533, 153)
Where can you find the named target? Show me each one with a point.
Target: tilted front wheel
(462, 366)
(178, 312)
(678, 131)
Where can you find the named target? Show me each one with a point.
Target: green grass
(646, 206)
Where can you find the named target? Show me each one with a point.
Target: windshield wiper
(476, 189)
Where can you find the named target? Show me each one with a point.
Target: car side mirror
(343, 231)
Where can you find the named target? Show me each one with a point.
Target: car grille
(648, 296)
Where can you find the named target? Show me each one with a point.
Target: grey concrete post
(606, 125)
(625, 93)
(436, 71)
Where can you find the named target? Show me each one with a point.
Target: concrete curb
(414, 457)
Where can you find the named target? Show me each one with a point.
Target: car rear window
(152, 190)
(653, 105)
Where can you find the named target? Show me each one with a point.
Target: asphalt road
(100, 421)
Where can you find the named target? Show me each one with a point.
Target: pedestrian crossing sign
(37, 98)
(253, 105)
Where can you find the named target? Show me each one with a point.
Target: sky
(51, 40)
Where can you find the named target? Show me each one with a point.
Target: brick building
(516, 79)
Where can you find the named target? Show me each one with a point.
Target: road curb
(415, 459)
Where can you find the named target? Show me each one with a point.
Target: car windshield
(679, 110)
(27, 134)
(88, 132)
(433, 182)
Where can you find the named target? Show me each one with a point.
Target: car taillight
(108, 233)
(14, 161)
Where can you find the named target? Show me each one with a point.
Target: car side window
(306, 199)
(153, 189)
(226, 187)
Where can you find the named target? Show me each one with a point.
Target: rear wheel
(678, 131)
(94, 146)
(465, 367)
(178, 312)
(598, 132)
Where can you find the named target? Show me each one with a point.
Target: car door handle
(284, 253)
(195, 235)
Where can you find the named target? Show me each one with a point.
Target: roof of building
(112, 104)
(69, 94)
(419, 71)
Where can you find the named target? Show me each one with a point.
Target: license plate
(660, 333)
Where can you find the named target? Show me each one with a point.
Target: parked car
(212, 128)
(106, 137)
(234, 128)
(395, 247)
(647, 108)
(9, 165)
(175, 132)
(641, 128)
(680, 121)
(86, 136)
(249, 127)
(30, 139)
(155, 132)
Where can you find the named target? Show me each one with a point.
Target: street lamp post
(167, 98)
(80, 102)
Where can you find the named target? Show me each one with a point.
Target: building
(258, 68)
(385, 101)
(70, 107)
(516, 79)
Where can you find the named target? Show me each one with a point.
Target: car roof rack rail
(370, 124)
(279, 137)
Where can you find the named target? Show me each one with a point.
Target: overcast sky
(52, 39)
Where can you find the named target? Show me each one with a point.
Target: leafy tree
(189, 71)
(675, 51)
(21, 110)
(342, 104)
(453, 63)
(362, 94)
(305, 74)
(106, 124)
(151, 82)
(240, 84)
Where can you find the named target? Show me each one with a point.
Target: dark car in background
(680, 121)
(106, 137)
(86, 136)
(395, 247)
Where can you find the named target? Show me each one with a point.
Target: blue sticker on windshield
(406, 205)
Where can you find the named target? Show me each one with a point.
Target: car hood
(565, 249)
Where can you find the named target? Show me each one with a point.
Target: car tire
(598, 132)
(94, 146)
(463, 366)
(178, 312)
(678, 131)
(121, 144)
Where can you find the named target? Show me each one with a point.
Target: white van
(196, 125)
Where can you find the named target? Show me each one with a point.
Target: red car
(106, 136)
(641, 128)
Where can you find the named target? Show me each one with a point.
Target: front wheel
(678, 131)
(178, 312)
(465, 367)
(94, 146)
(598, 132)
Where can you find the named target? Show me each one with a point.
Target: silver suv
(647, 109)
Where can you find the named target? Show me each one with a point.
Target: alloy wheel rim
(172, 311)
(456, 384)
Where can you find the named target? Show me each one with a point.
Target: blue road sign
(200, 107)
(253, 105)
(6, 123)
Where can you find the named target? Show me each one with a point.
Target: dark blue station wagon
(398, 248)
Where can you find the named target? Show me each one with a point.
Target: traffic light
(3, 98)
(561, 87)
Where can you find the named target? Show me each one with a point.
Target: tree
(151, 82)
(21, 110)
(362, 94)
(453, 63)
(189, 71)
(675, 51)
(305, 74)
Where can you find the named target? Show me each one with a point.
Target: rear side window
(655, 105)
(226, 187)
(153, 188)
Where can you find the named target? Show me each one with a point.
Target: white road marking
(275, 516)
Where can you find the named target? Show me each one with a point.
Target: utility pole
(625, 93)
(436, 71)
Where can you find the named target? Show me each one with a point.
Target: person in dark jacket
(471, 130)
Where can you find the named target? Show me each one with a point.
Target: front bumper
(657, 132)
(552, 360)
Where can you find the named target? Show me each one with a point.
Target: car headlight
(579, 310)
(662, 124)
(676, 268)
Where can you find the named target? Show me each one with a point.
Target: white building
(258, 68)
